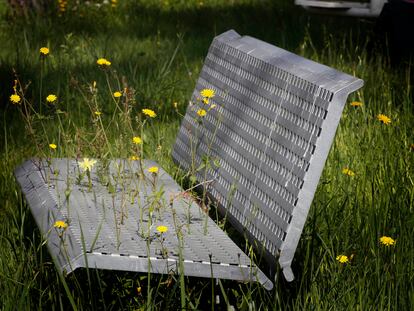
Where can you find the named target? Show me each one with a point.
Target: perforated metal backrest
(265, 142)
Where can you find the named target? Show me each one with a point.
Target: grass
(157, 49)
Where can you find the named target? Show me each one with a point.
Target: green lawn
(156, 50)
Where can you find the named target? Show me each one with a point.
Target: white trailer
(369, 8)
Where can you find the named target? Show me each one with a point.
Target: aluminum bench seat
(113, 224)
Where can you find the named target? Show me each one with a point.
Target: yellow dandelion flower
(348, 172)
(15, 99)
(139, 289)
(201, 112)
(342, 259)
(98, 113)
(175, 105)
(60, 224)
(103, 62)
(62, 6)
(149, 112)
(52, 146)
(51, 98)
(205, 100)
(153, 170)
(44, 51)
(87, 164)
(356, 104)
(134, 158)
(207, 93)
(117, 94)
(384, 119)
(137, 140)
(387, 241)
(162, 229)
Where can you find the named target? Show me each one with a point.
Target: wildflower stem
(207, 167)
(111, 92)
(41, 84)
(106, 138)
(149, 260)
(88, 173)
(181, 260)
(141, 153)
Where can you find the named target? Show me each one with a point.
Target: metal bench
(261, 149)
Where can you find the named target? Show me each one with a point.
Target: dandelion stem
(41, 84)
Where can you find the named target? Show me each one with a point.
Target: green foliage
(156, 49)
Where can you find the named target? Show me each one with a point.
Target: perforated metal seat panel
(266, 140)
(113, 224)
